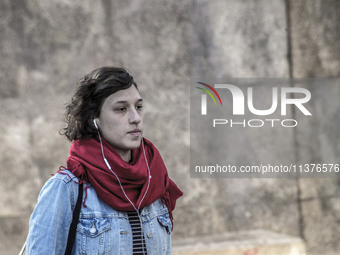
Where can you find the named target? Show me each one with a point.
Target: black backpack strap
(74, 223)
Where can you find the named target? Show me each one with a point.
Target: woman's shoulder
(64, 176)
(61, 182)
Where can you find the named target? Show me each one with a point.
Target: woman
(128, 197)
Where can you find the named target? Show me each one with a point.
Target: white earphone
(95, 123)
(109, 167)
(120, 184)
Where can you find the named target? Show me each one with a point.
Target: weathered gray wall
(315, 31)
(46, 46)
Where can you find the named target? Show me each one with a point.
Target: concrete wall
(46, 46)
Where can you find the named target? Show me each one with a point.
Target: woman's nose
(135, 116)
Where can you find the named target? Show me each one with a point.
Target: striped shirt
(138, 241)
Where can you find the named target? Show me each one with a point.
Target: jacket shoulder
(65, 176)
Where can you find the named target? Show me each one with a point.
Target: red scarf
(87, 163)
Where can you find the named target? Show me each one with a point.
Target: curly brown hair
(86, 103)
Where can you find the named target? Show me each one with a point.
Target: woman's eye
(139, 107)
(120, 109)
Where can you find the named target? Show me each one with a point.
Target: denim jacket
(101, 229)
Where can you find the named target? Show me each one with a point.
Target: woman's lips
(135, 132)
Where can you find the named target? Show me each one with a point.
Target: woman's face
(121, 120)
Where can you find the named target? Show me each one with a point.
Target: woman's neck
(126, 156)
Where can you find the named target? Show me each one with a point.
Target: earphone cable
(121, 186)
(109, 167)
